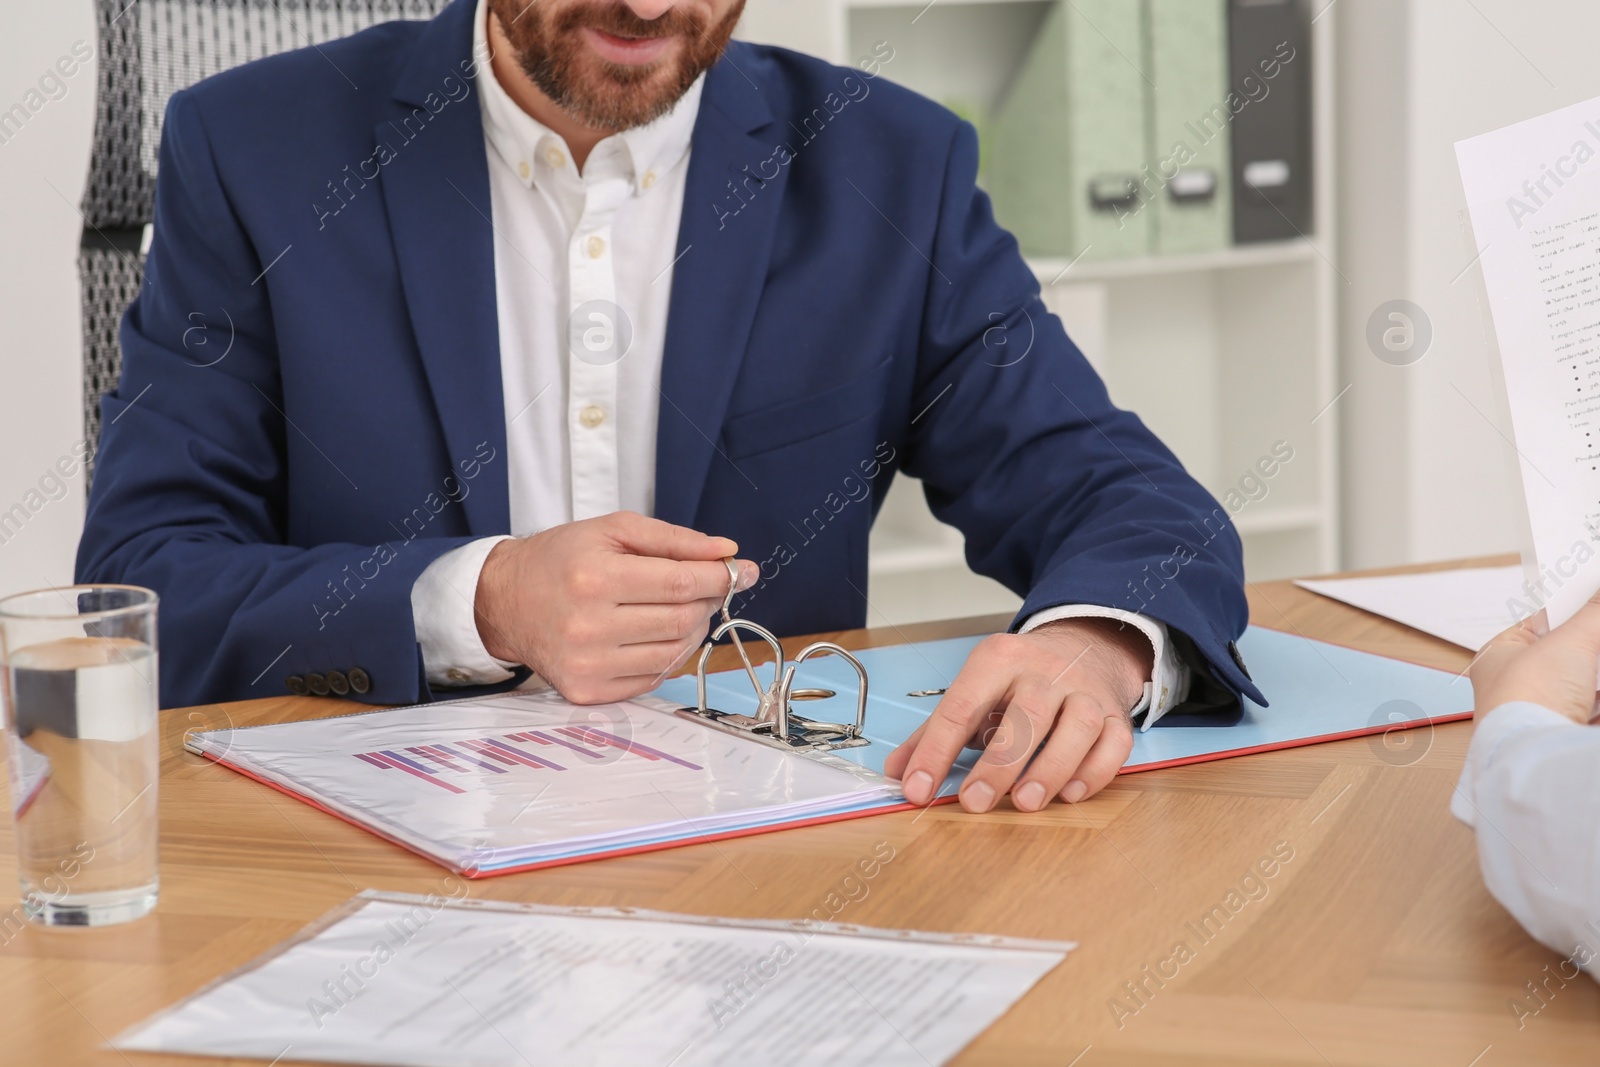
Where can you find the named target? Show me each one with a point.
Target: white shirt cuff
(1491, 732)
(1169, 680)
(442, 602)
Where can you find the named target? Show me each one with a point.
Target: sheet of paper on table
(1465, 607)
(427, 982)
(1533, 191)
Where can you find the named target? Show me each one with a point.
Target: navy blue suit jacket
(310, 410)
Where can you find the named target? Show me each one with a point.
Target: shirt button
(338, 683)
(555, 157)
(524, 170)
(592, 415)
(596, 247)
(648, 180)
(360, 680)
(317, 684)
(456, 674)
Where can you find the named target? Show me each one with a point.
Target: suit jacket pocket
(789, 422)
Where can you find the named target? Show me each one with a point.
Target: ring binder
(775, 723)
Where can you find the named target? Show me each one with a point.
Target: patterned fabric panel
(110, 282)
(150, 49)
(153, 48)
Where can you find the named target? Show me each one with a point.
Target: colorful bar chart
(436, 762)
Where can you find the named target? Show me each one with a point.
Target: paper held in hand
(1533, 193)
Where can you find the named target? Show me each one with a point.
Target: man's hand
(604, 608)
(1554, 668)
(1063, 690)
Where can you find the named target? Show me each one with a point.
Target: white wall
(40, 337)
(1426, 473)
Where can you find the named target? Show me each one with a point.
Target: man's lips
(631, 51)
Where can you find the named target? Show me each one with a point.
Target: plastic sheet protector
(522, 780)
(429, 982)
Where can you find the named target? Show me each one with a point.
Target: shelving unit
(1223, 354)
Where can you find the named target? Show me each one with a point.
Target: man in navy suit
(468, 349)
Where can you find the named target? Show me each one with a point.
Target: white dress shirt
(583, 275)
(1531, 791)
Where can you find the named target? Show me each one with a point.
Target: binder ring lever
(770, 711)
(774, 722)
(810, 726)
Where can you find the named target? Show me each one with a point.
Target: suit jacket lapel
(730, 214)
(436, 190)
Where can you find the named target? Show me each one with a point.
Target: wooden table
(1375, 944)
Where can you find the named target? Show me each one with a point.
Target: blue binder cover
(1318, 692)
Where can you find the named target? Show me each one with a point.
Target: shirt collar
(528, 146)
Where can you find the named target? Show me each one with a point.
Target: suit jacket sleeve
(189, 491)
(1063, 497)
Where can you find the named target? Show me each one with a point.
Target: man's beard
(600, 94)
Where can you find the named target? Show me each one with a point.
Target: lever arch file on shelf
(1189, 119)
(1270, 54)
(526, 780)
(1067, 156)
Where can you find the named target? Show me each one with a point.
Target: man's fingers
(588, 673)
(968, 701)
(1077, 730)
(894, 764)
(644, 536)
(609, 690)
(637, 623)
(642, 580)
(1008, 748)
(1104, 760)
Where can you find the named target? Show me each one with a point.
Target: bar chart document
(428, 982)
(1533, 191)
(526, 779)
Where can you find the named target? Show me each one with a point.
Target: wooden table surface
(1376, 943)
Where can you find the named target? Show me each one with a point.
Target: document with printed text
(430, 982)
(1533, 191)
(507, 781)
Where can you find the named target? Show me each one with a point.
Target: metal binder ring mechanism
(775, 722)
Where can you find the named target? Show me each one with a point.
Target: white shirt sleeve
(442, 601)
(1169, 681)
(1531, 791)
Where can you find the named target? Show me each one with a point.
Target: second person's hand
(1555, 669)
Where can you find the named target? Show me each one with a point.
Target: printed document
(522, 778)
(426, 982)
(1533, 191)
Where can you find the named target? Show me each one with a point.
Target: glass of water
(81, 731)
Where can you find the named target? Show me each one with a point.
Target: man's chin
(616, 97)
